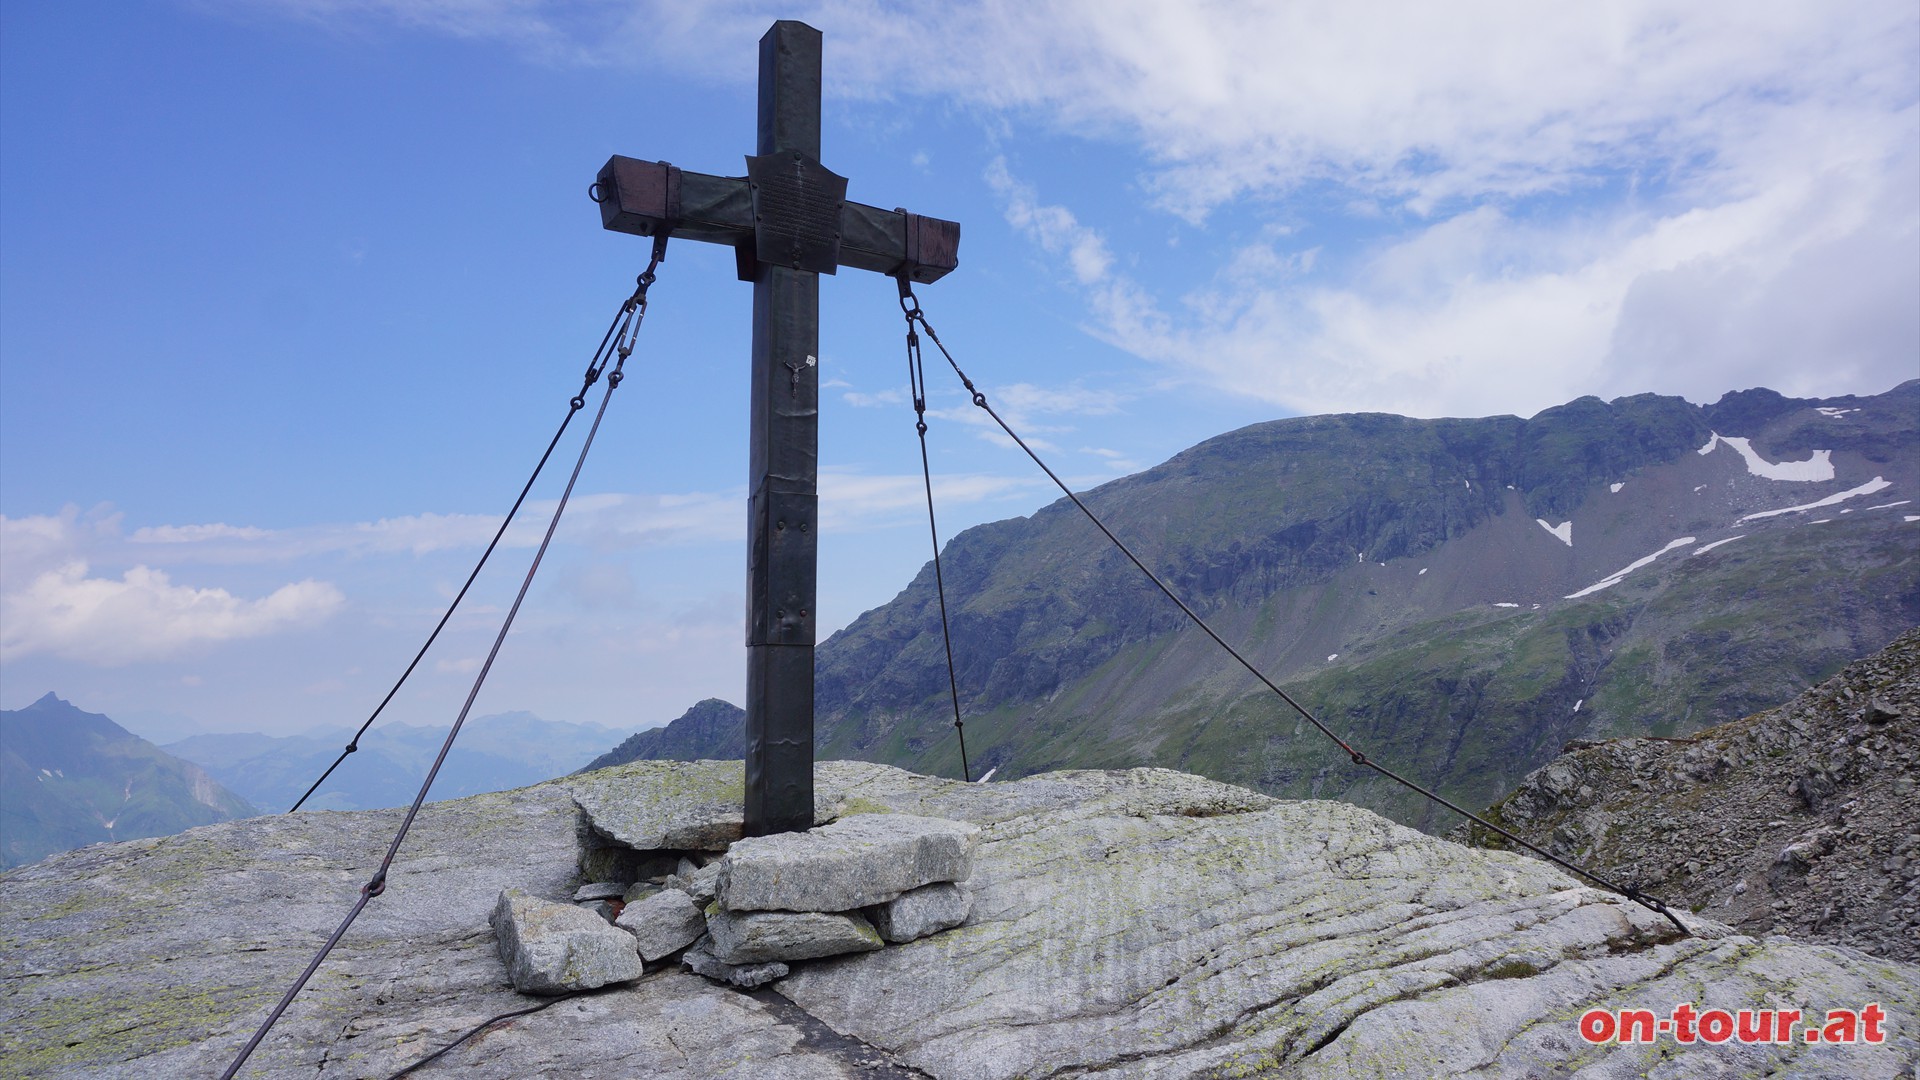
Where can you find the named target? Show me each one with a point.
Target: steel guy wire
(620, 333)
(917, 380)
(378, 883)
(1358, 758)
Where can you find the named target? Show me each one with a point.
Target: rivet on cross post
(788, 222)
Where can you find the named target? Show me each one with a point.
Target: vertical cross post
(783, 471)
(788, 221)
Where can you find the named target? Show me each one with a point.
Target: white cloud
(883, 398)
(1053, 227)
(1804, 286)
(851, 501)
(143, 616)
(1674, 195)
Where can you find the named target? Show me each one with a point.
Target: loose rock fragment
(552, 948)
(926, 910)
(755, 937)
(599, 890)
(700, 960)
(663, 924)
(603, 908)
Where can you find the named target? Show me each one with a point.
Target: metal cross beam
(788, 222)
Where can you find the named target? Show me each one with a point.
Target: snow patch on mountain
(1618, 575)
(1878, 483)
(1562, 532)
(1818, 467)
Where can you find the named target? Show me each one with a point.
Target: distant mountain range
(69, 778)
(1461, 597)
(494, 753)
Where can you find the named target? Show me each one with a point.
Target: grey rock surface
(686, 806)
(757, 937)
(701, 961)
(552, 948)
(602, 908)
(703, 884)
(926, 910)
(1802, 819)
(663, 924)
(1139, 924)
(599, 890)
(855, 862)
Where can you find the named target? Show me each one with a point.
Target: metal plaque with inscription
(796, 211)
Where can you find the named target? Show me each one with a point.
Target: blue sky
(293, 291)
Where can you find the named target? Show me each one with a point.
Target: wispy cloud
(1607, 199)
(851, 501)
(67, 612)
(1676, 195)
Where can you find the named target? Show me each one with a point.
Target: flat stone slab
(756, 937)
(599, 890)
(928, 909)
(681, 806)
(663, 924)
(552, 948)
(855, 862)
(701, 961)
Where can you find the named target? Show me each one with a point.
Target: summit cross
(788, 222)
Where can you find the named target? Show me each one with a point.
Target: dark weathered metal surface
(796, 211)
(719, 210)
(788, 222)
(780, 761)
(639, 197)
(784, 463)
(785, 548)
(932, 247)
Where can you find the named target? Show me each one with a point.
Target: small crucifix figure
(788, 222)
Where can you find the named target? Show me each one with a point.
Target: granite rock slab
(926, 910)
(701, 961)
(553, 948)
(663, 924)
(855, 862)
(757, 937)
(1141, 923)
(682, 805)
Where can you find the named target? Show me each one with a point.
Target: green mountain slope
(1404, 579)
(1460, 597)
(70, 778)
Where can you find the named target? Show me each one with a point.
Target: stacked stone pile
(743, 915)
(1137, 923)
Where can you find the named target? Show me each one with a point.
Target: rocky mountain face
(1802, 820)
(70, 778)
(711, 729)
(1459, 597)
(495, 752)
(1142, 923)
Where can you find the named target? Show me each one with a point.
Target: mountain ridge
(494, 752)
(69, 778)
(1461, 596)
